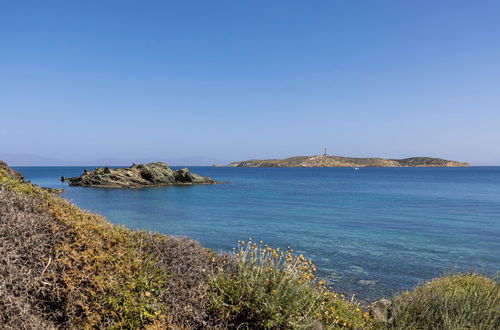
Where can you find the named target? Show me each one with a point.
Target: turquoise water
(372, 232)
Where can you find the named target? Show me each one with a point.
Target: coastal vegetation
(456, 301)
(62, 267)
(275, 289)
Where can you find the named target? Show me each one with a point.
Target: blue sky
(214, 81)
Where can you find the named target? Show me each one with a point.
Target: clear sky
(205, 81)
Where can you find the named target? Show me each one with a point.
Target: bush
(459, 301)
(190, 267)
(26, 245)
(61, 267)
(277, 289)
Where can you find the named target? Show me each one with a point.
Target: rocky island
(338, 161)
(137, 176)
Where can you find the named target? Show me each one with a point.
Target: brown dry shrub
(27, 297)
(186, 293)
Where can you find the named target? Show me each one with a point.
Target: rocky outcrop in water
(337, 161)
(137, 176)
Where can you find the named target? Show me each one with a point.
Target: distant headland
(325, 160)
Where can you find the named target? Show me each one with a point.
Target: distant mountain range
(338, 161)
(35, 160)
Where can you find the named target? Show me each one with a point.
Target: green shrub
(459, 301)
(276, 289)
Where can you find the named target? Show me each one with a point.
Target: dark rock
(137, 176)
(380, 310)
(183, 175)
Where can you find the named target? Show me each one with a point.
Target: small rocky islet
(137, 176)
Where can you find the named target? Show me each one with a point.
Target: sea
(372, 232)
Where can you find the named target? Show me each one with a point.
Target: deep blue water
(373, 232)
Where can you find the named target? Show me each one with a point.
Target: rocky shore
(137, 176)
(338, 161)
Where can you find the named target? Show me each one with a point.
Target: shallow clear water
(372, 232)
